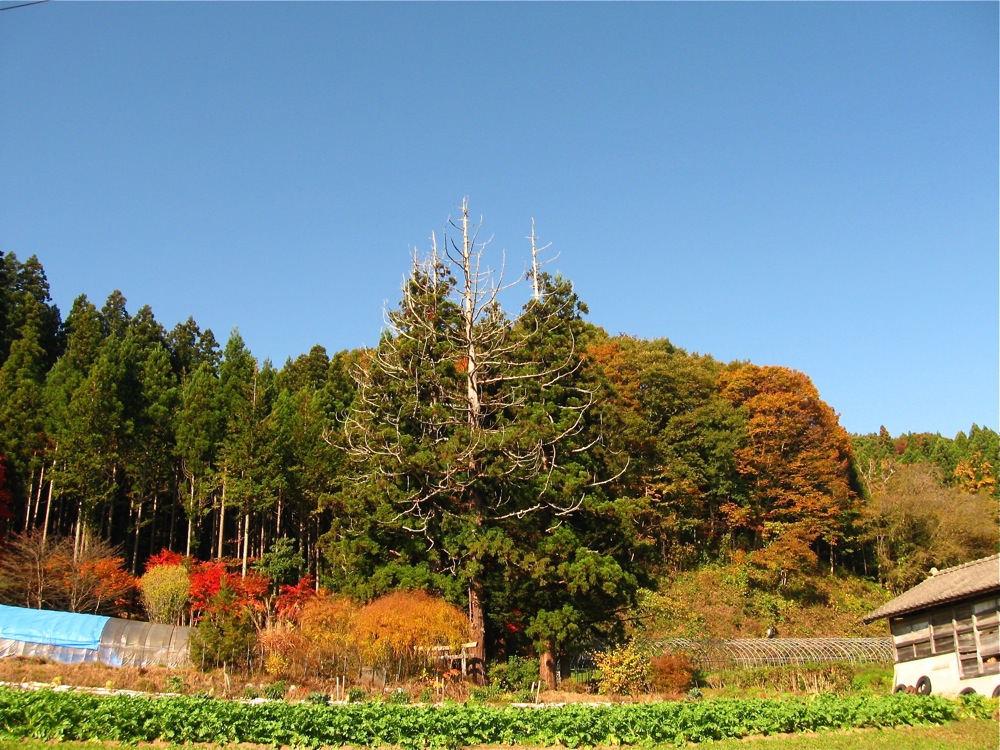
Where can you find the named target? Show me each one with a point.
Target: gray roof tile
(951, 584)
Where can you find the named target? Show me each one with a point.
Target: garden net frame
(776, 652)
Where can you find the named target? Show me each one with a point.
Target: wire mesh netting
(735, 653)
(766, 652)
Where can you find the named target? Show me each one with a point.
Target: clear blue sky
(813, 185)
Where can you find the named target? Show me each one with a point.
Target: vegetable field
(49, 715)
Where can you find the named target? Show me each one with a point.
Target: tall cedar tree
(249, 476)
(198, 425)
(24, 292)
(462, 433)
(310, 462)
(22, 381)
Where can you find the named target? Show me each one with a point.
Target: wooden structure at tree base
(463, 660)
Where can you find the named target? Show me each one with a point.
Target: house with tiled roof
(945, 631)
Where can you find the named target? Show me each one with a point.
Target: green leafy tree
(226, 635)
(190, 347)
(83, 343)
(582, 562)
(92, 440)
(282, 563)
(24, 293)
(149, 455)
(664, 410)
(115, 318)
(7, 330)
(308, 461)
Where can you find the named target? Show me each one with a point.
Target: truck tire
(968, 691)
(901, 688)
(924, 686)
(996, 692)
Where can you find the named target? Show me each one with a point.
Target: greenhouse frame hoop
(775, 652)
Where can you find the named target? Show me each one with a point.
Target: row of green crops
(50, 715)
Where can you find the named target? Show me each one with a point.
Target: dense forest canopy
(523, 463)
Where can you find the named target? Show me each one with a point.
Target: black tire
(969, 691)
(901, 688)
(924, 686)
(996, 692)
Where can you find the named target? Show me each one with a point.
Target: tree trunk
(477, 625)
(135, 541)
(246, 540)
(111, 503)
(152, 523)
(79, 530)
(547, 668)
(190, 515)
(38, 500)
(48, 511)
(222, 515)
(31, 496)
(172, 528)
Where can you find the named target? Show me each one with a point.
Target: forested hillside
(522, 463)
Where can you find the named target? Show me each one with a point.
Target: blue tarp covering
(53, 628)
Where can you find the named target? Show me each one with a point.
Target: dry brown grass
(191, 681)
(144, 679)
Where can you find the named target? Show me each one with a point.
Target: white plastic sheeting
(129, 643)
(71, 638)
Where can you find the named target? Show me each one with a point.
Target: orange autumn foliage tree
(94, 581)
(44, 574)
(325, 623)
(114, 589)
(975, 474)
(797, 462)
(397, 629)
(311, 634)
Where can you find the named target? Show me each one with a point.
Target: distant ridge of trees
(525, 464)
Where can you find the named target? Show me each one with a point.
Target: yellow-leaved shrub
(401, 628)
(164, 593)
